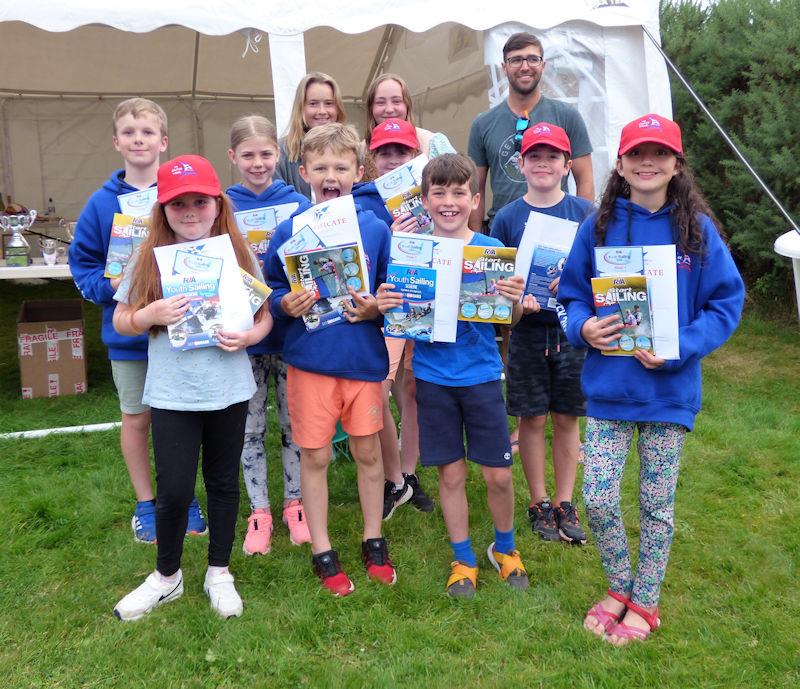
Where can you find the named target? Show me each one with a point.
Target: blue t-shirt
(509, 226)
(471, 360)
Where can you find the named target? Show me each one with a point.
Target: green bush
(742, 58)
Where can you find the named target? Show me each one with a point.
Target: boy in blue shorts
(459, 390)
(544, 370)
(335, 373)
(140, 136)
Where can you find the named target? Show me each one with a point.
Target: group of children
(344, 373)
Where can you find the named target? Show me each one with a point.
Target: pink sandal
(624, 631)
(603, 616)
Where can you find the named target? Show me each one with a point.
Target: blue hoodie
(87, 263)
(346, 350)
(275, 194)
(367, 197)
(710, 300)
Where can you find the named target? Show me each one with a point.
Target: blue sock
(503, 541)
(462, 551)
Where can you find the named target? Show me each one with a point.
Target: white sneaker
(152, 593)
(225, 601)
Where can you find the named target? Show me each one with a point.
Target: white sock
(171, 579)
(215, 571)
(399, 486)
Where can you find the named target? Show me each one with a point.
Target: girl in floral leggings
(650, 199)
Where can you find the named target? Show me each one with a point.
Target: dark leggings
(177, 438)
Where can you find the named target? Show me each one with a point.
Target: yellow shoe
(510, 566)
(462, 581)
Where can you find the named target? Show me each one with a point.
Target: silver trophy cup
(16, 248)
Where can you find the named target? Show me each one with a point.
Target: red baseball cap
(548, 134)
(394, 131)
(651, 128)
(187, 174)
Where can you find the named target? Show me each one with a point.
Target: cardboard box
(52, 353)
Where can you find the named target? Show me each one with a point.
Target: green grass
(729, 602)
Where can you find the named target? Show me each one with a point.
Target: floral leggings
(254, 459)
(607, 444)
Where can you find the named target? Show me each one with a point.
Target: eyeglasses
(523, 123)
(517, 60)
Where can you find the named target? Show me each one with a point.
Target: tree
(742, 58)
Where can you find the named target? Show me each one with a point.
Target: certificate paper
(658, 264)
(328, 224)
(201, 258)
(446, 256)
(542, 254)
(138, 204)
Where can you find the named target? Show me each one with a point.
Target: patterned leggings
(607, 444)
(254, 460)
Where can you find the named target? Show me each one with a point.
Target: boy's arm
(283, 303)
(476, 217)
(476, 151)
(367, 308)
(274, 272)
(87, 259)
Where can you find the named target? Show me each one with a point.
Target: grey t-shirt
(203, 379)
(491, 145)
(289, 171)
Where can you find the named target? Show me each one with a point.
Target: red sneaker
(328, 568)
(377, 562)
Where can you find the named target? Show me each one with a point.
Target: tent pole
(8, 174)
(722, 132)
(196, 128)
(380, 59)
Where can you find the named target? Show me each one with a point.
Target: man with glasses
(496, 135)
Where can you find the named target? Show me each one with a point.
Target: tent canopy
(207, 63)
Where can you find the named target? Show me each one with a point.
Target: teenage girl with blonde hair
(317, 101)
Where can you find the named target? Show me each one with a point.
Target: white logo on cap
(182, 169)
(391, 127)
(542, 129)
(648, 122)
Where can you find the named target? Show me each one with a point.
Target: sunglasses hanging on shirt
(523, 122)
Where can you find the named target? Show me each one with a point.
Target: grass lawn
(729, 603)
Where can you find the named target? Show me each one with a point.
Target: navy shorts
(544, 373)
(445, 413)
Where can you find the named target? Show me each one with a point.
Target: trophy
(68, 228)
(51, 251)
(16, 249)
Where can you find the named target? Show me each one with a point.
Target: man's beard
(523, 91)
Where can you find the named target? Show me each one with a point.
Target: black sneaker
(419, 498)
(329, 570)
(543, 520)
(393, 498)
(569, 526)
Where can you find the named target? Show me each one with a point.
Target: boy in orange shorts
(336, 373)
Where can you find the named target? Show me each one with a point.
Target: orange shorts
(398, 349)
(317, 402)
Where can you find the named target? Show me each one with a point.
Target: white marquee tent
(64, 67)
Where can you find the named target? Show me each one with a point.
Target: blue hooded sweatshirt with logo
(710, 300)
(87, 263)
(276, 194)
